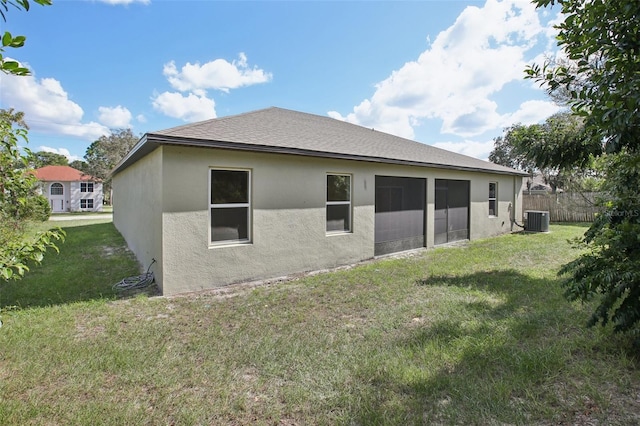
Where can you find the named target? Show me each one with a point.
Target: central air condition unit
(537, 221)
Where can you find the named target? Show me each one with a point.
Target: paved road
(55, 218)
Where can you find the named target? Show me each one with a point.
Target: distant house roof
(278, 130)
(62, 174)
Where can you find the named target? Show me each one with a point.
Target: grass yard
(93, 258)
(478, 334)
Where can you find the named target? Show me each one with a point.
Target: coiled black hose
(136, 282)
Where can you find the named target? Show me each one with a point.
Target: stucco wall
(480, 223)
(288, 218)
(161, 207)
(137, 210)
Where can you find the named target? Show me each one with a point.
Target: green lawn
(93, 258)
(478, 334)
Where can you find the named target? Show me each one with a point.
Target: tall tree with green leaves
(78, 165)
(542, 148)
(510, 149)
(44, 158)
(601, 39)
(7, 65)
(19, 201)
(103, 155)
(19, 204)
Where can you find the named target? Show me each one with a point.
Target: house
(537, 184)
(275, 192)
(69, 190)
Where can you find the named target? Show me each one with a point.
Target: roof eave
(150, 141)
(139, 150)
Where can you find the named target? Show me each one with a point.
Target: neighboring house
(535, 185)
(276, 192)
(69, 190)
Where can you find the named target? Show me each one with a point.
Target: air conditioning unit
(537, 221)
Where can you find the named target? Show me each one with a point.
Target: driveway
(92, 216)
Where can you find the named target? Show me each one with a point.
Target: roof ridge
(276, 129)
(61, 173)
(398, 138)
(205, 122)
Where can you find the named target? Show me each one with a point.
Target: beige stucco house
(276, 192)
(70, 190)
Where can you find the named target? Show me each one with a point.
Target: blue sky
(446, 73)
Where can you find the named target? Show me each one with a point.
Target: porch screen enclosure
(399, 214)
(451, 216)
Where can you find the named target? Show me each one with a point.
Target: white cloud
(115, 117)
(193, 107)
(475, 149)
(531, 112)
(217, 74)
(454, 79)
(193, 80)
(141, 118)
(47, 107)
(61, 151)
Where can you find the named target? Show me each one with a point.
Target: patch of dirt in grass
(115, 250)
(621, 408)
(108, 251)
(157, 317)
(288, 422)
(353, 321)
(238, 289)
(105, 251)
(249, 375)
(4, 372)
(89, 329)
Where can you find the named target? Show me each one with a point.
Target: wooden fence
(562, 207)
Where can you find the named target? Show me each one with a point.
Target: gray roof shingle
(292, 132)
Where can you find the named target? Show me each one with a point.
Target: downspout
(513, 206)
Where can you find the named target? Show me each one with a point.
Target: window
(230, 206)
(86, 186)
(57, 189)
(338, 203)
(493, 195)
(86, 204)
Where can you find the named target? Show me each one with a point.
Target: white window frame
(494, 199)
(212, 206)
(85, 186)
(338, 203)
(86, 202)
(56, 185)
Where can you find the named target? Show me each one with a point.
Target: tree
(19, 202)
(15, 117)
(602, 39)
(557, 142)
(12, 116)
(103, 155)
(43, 158)
(507, 153)
(11, 66)
(542, 148)
(79, 165)
(562, 95)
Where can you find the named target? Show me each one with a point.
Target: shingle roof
(292, 132)
(61, 173)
